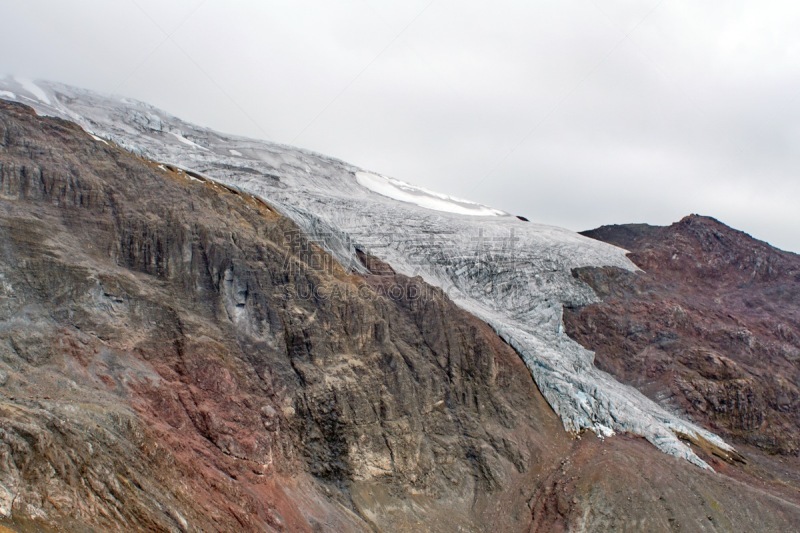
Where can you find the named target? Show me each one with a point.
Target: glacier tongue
(515, 275)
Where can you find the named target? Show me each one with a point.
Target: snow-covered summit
(515, 275)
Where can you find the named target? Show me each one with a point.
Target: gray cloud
(572, 113)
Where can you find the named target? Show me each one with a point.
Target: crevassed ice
(517, 276)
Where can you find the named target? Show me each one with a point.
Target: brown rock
(711, 328)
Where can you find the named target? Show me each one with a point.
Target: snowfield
(404, 192)
(34, 90)
(515, 275)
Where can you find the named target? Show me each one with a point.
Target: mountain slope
(165, 363)
(711, 328)
(176, 355)
(514, 275)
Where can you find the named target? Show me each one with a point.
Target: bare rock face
(710, 328)
(176, 356)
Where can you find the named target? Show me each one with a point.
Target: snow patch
(236, 153)
(96, 138)
(404, 192)
(35, 90)
(604, 431)
(8, 94)
(186, 141)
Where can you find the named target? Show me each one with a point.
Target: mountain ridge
(166, 367)
(515, 275)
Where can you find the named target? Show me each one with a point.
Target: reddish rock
(710, 328)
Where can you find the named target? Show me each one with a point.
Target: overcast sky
(573, 113)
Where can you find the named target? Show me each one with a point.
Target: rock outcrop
(710, 328)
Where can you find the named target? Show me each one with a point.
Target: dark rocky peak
(715, 237)
(710, 328)
(622, 235)
(713, 252)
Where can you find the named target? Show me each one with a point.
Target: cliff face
(710, 328)
(516, 276)
(175, 355)
(174, 352)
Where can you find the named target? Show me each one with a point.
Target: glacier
(513, 274)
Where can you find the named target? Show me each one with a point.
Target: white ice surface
(236, 153)
(35, 90)
(517, 276)
(186, 141)
(404, 192)
(8, 94)
(98, 139)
